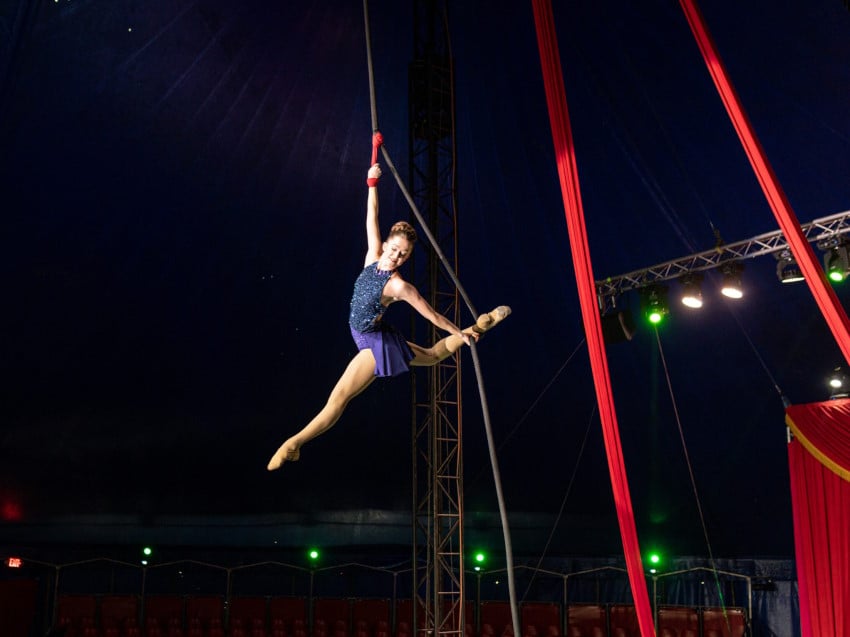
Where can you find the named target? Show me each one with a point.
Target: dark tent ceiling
(182, 194)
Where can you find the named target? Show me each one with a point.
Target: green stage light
(654, 301)
(479, 559)
(836, 263)
(656, 561)
(147, 550)
(313, 554)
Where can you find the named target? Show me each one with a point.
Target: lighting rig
(827, 233)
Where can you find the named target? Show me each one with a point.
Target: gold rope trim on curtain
(817, 453)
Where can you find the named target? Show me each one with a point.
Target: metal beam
(815, 231)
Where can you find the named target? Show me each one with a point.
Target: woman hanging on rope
(383, 351)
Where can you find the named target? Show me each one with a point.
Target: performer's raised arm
(373, 228)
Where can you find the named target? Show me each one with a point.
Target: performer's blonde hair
(403, 229)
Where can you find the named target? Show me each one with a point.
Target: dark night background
(182, 197)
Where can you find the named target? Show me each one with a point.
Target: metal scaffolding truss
(817, 231)
(439, 592)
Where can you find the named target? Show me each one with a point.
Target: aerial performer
(382, 349)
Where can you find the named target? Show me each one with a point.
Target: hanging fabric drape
(568, 173)
(819, 465)
(824, 295)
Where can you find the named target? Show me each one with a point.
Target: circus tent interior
(182, 191)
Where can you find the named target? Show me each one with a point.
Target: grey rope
(476, 363)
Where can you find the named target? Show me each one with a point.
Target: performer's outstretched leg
(357, 376)
(441, 350)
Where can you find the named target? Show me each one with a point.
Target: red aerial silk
(824, 295)
(568, 173)
(819, 463)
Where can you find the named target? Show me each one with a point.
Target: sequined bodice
(366, 306)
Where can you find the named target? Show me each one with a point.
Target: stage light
(836, 263)
(618, 326)
(655, 562)
(787, 269)
(479, 559)
(313, 555)
(654, 300)
(838, 384)
(691, 290)
(732, 280)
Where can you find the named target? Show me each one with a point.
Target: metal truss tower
(438, 579)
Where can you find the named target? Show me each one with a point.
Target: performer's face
(396, 252)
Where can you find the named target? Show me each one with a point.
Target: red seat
(624, 617)
(119, 611)
(160, 609)
(535, 615)
(715, 619)
(250, 612)
(77, 613)
(332, 615)
(677, 619)
(175, 630)
(585, 618)
(496, 615)
(209, 609)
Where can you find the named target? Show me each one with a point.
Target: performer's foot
(489, 320)
(288, 451)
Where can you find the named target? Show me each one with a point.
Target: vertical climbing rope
(377, 141)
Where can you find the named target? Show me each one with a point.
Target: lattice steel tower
(437, 459)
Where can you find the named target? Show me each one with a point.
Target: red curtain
(556, 99)
(819, 463)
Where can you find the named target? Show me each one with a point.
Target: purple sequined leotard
(391, 351)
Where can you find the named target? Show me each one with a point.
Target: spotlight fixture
(836, 263)
(654, 300)
(732, 279)
(787, 269)
(618, 326)
(691, 289)
(838, 385)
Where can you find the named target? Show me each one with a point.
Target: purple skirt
(391, 351)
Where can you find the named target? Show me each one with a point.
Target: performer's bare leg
(444, 348)
(357, 376)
